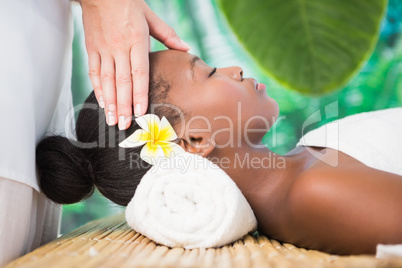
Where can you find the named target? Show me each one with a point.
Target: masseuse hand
(117, 40)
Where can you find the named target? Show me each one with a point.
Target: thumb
(164, 33)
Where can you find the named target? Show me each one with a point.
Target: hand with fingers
(117, 41)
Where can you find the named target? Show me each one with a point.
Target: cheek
(259, 113)
(228, 95)
(222, 99)
(240, 105)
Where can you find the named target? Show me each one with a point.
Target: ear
(198, 143)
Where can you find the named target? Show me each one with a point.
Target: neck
(261, 174)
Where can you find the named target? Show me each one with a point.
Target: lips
(259, 86)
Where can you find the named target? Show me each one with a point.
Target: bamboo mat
(110, 242)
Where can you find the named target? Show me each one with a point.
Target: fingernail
(111, 119)
(128, 121)
(124, 122)
(138, 110)
(185, 44)
(101, 102)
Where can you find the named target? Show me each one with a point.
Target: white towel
(187, 201)
(389, 251)
(373, 138)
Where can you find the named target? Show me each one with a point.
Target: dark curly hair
(70, 170)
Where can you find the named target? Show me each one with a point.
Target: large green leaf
(312, 46)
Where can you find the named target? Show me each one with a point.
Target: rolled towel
(188, 201)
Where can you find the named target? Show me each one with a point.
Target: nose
(234, 72)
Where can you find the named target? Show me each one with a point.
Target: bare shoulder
(349, 177)
(345, 209)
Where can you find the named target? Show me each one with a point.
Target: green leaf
(312, 46)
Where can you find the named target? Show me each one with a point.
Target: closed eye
(212, 73)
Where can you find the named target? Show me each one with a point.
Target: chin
(276, 115)
(271, 111)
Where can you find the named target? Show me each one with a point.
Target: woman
(347, 209)
(35, 67)
(37, 38)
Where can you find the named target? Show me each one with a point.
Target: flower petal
(166, 131)
(138, 138)
(170, 148)
(151, 152)
(149, 123)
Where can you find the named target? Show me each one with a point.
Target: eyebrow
(192, 64)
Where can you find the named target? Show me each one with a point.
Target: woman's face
(216, 99)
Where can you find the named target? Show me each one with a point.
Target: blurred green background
(378, 84)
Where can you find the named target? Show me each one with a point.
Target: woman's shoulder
(347, 170)
(325, 205)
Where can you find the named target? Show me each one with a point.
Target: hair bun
(64, 170)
